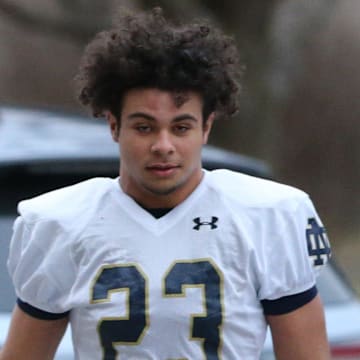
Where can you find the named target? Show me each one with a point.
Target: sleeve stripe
(38, 313)
(290, 303)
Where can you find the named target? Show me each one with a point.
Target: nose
(163, 143)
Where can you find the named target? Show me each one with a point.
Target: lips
(163, 169)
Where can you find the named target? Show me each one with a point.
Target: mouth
(163, 170)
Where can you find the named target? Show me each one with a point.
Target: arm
(32, 339)
(300, 334)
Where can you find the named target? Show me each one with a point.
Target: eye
(181, 129)
(143, 128)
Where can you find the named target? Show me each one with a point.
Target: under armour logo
(317, 243)
(200, 223)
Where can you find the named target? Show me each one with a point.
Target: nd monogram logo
(317, 242)
(200, 223)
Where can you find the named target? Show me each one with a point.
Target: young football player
(167, 261)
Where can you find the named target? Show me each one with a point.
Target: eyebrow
(151, 118)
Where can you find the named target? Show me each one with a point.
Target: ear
(113, 125)
(207, 126)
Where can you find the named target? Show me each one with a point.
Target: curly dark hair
(145, 50)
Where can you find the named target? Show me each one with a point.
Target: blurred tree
(320, 127)
(77, 20)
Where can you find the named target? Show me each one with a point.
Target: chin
(163, 190)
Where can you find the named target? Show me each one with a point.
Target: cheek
(192, 149)
(131, 149)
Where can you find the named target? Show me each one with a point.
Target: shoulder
(250, 191)
(67, 203)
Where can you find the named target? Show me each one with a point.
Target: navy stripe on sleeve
(290, 303)
(38, 313)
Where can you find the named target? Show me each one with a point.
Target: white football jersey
(185, 286)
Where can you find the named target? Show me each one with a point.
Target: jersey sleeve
(40, 265)
(295, 251)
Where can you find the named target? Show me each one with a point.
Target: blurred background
(299, 110)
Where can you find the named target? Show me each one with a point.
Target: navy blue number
(206, 327)
(130, 329)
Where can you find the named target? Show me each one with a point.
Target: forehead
(161, 101)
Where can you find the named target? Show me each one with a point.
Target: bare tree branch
(181, 9)
(66, 28)
(70, 4)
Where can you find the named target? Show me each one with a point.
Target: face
(160, 145)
